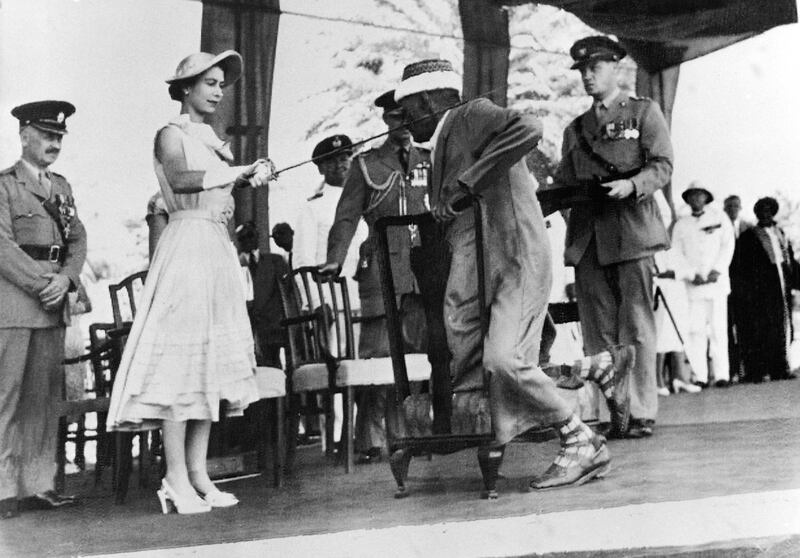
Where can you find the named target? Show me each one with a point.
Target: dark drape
(486, 50)
(664, 33)
(251, 28)
(661, 34)
(661, 87)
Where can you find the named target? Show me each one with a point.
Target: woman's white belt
(193, 214)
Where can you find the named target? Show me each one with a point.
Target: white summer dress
(190, 344)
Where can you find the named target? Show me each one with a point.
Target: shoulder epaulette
(58, 175)
(639, 98)
(315, 196)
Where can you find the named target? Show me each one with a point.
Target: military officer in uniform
(391, 179)
(42, 251)
(622, 141)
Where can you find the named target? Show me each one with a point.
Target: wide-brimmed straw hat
(195, 64)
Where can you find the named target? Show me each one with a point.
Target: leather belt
(53, 254)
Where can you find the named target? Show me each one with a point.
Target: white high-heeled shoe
(679, 386)
(219, 499)
(182, 504)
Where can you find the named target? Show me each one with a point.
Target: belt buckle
(55, 254)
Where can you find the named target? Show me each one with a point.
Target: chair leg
(292, 429)
(80, 443)
(490, 459)
(330, 442)
(279, 441)
(260, 413)
(61, 454)
(399, 461)
(103, 452)
(348, 428)
(124, 459)
(144, 459)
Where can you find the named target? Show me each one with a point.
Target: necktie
(44, 181)
(402, 155)
(252, 264)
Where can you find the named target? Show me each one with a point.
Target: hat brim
(709, 195)
(608, 57)
(428, 81)
(229, 60)
(47, 128)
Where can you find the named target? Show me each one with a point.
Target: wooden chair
(271, 384)
(131, 285)
(322, 357)
(103, 357)
(124, 297)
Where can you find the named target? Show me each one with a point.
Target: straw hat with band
(195, 64)
(427, 75)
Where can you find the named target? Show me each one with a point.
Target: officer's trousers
(615, 303)
(708, 336)
(30, 386)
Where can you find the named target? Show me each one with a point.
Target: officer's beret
(48, 116)
(596, 47)
(339, 143)
(387, 102)
(697, 186)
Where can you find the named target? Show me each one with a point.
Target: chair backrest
(124, 305)
(105, 356)
(327, 296)
(318, 316)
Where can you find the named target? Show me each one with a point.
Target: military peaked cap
(596, 47)
(338, 143)
(48, 116)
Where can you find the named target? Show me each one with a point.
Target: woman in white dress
(191, 345)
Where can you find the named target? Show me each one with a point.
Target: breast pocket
(32, 225)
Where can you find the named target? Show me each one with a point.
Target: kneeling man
(478, 150)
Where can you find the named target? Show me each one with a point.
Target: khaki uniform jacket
(23, 220)
(632, 133)
(377, 186)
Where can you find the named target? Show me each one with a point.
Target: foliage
(789, 217)
(540, 81)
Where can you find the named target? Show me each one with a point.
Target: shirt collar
(608, 100)
(34, 170)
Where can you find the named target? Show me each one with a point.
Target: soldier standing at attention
(391, 179)
(622, 141)
(42, 251)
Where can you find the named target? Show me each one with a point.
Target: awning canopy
(663, 33)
